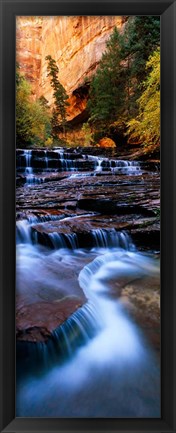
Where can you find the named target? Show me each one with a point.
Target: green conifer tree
(107, 90)
(141, 38)
(60, 98)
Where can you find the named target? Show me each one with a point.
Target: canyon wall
(75, 42)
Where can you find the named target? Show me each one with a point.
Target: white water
(116, 166)
(100, 238)
(115, 374)
(28, 169)
(78, 175)
(46, 159)
(98, 168)
(23, 232)
(111, 239)
(59, 240)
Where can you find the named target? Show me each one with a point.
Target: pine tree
(107, 90)
(119, 80)
(60, 98)
(141, 38)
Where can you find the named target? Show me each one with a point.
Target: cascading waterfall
(23, 232)
(76, 331)
(60, 153)
(46, 159)
(68, 162)
(98, 238)
(28, 169)
(115, 166)
(43, 218)
(118, 166)
(34, 180)
(98, 167)
(109, 238)
(28, 155)
(68, 165)
(100, 346)
(97, 363)
(79, 175)
(60, 240)
(31, 179)
(57, 240)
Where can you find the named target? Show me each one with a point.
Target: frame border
(8, 12)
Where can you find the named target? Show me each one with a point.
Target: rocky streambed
(82, 203)
(87, 284)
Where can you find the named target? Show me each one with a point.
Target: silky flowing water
(99, 363)
(114, 373)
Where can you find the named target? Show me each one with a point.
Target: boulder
(36, 322)
(141, 298)
(106, 142)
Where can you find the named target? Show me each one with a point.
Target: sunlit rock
(106, 142)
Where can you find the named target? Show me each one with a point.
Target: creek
(80, 353)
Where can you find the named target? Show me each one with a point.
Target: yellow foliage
(49, 141)
(145, 128)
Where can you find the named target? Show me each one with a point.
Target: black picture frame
(167, 10)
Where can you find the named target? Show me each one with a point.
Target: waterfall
(80, 175)
(128, 167)
(28, 155)
(97, 357)
(60, 240)
(109, 238)
(57, 240)
(34, 180)
(60, 153)
(98, 238)
(32, 219)
(80, 288)
(60, 160)
(23, 232)
(30, 178)
(46, 159)
(65, 340)
(115, 166)
(28, 169)
(77, 330)
(98, 167)
(68, 165)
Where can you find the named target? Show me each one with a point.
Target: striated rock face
(75, 42)
(28, 48)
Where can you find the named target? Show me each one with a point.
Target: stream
(80, 353)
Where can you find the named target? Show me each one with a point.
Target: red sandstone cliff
(75, 42)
